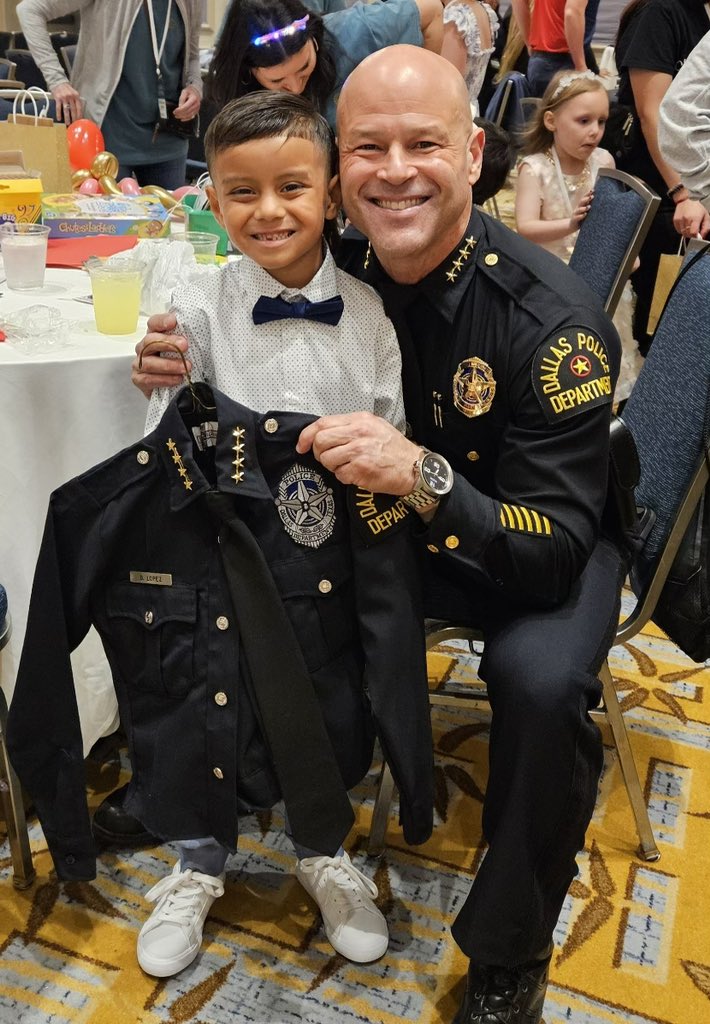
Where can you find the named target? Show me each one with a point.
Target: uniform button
(70, 859)
(220, 698)
(325, 586)
(218, 773)
(271, 426)
(490, 259)
(143, 457)
(472, 456)
(222, 622)
(148, 618)
(452, 542)
(433, 548)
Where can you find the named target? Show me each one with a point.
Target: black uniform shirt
(131, 548)
(509, 366)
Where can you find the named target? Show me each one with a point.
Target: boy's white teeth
(273, 236)
(399, 204)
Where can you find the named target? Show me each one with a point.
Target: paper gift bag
(668, 269)
(44, 149)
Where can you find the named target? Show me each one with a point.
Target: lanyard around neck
(158, 51)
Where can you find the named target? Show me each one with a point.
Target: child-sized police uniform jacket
(131, 548)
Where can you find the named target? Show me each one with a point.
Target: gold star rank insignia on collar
(238, 449)
(177, 459)
(366, 264)
(463, 255)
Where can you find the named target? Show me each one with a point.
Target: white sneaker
(353, 924)
(171, 937)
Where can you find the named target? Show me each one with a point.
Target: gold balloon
(165, 198)
(104, 164)
(79, 176)
(109, 186)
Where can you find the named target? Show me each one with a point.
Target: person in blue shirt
(285, 45)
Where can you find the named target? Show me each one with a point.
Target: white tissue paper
(168, 264)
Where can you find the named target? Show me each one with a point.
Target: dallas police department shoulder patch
(376, 516)
(570, 373)
(306, 506)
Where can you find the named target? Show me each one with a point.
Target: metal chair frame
(8, 69)
(66, 56)
(11, 796)
(652, 201)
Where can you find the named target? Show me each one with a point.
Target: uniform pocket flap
(152, 606)
(315, 575)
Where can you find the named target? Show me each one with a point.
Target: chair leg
(14, 810)
(381, 812)
(647, 849)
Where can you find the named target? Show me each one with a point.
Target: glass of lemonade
(24, 254)
(116, 288)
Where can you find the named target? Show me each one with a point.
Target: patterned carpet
(633, 942)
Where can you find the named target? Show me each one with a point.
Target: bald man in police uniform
(509, 367)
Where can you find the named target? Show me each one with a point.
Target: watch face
(436, 473)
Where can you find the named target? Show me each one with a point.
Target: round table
(62, 411)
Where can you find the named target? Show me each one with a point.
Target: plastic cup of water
(204, 245)
(24, 254)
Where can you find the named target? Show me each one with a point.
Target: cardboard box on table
(73, 215)
(20, 190)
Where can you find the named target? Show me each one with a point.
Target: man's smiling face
(408, 157)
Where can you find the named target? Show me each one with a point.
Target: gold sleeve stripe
(506, 517)
(520, 519)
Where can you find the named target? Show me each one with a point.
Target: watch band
(420, 500)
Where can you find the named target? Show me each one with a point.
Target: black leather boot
(505, 995)
(112, 826)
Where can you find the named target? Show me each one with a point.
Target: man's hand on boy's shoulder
(154, 370)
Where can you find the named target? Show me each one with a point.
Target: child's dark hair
(267, 115)
(230, 73)
(498, 159)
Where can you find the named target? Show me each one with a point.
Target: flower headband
(573, 76)
(279, 33)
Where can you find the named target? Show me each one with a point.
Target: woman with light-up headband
(282, 45)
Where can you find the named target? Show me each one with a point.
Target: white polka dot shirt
(289, 365)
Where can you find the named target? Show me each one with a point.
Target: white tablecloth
(61, 412)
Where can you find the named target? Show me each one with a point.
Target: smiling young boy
(271, 160)
(282, 329)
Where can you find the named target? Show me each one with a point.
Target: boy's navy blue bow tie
(327, 312)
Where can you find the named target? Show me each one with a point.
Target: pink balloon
(186, 190)
(89, 187)
(129, 187)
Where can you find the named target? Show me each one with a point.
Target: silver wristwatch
(435, 478)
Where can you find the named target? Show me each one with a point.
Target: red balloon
(85, 141)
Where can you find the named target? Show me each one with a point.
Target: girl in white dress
(470, 29)
(555, 187)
